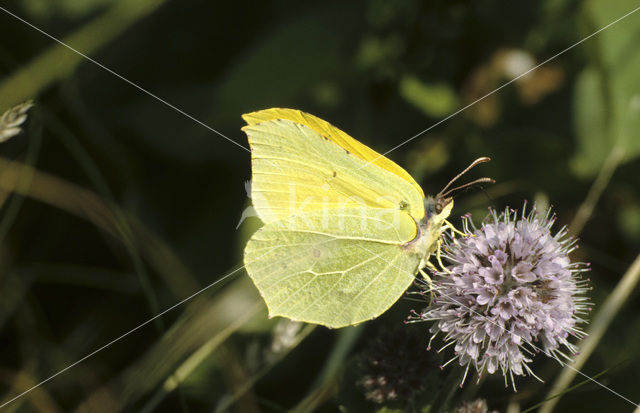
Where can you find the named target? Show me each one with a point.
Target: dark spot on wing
(335, 174)
(403, 205)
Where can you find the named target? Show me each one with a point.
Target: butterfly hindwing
(335, 270)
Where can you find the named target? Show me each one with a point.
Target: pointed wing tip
(266, 114)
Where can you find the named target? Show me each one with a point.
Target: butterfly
(346, 229)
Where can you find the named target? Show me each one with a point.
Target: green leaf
(608, 111)
(311, 56)
(629, 221)
(589, 120)
(68, 8)
(58, 62)
(435, 100)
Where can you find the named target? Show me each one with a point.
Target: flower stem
(595, 192)
(58, 62)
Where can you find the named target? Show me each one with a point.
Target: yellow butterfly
(345, 229)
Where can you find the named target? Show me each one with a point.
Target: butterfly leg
(426, 277)
(439, 256)
(434, 268)
(453, 229)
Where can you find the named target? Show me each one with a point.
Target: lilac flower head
(509, 291)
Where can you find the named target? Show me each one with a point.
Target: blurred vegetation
(115, 207)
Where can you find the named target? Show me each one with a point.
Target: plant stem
(58, 62)
(595, 192)
(449, 388)
(595, 332)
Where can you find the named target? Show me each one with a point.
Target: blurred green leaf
(303, 48)
(202, 327)
(326, 384)
(430, 156)
(607, 97)
(58, 62)
(67, 8)
(386, 409)
(375, 51)
(594, 141)
(435, 100)
(629, 221)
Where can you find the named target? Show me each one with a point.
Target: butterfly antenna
(477, 181)
(472, 165)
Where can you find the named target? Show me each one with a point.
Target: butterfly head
(437, 208)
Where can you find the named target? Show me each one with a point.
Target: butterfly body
(430, 228)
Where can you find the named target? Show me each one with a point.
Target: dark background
(129, 207)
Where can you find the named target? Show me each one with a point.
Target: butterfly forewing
(296, 170)
(334, 134)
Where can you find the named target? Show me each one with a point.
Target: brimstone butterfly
(345, 229)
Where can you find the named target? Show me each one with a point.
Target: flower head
(12, 119)
(395, 367)
(509, 292)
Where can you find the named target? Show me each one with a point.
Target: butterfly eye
(442, 202)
